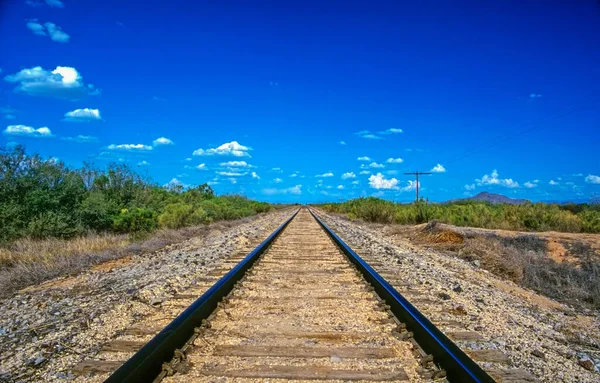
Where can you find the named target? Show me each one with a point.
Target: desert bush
(43, 198)
(526, 217)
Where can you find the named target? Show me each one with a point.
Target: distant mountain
(492, 198)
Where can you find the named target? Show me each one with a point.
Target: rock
(156, 301)
(586, 363)
(457, 289)
(538, 354)
(444, 296)
(476, 263)
(38, 361)
(335, 359)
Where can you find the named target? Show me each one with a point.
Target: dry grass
(27, 262)
(523, 259)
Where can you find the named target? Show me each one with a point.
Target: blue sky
(279, 100)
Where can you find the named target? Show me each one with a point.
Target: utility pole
(417, 174)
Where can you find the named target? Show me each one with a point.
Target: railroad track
(300, 306)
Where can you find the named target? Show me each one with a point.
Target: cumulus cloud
(592, 179)
(81, 139)
(254, 175)
(342, 143)
(83, 115)
(296, 190)
(232, 148)
(277, 180)
(48, 29)
(27, 131)
(380, 182)
(376, 165)
(391, 131)
(340, 187)
(236, 164)
(394, 160)
(143, 163)
(438, 169)
(470, 187)
(345, 176)
(364, 158)
(368, 135)
(328, 174)
(175, 184)
(162, 141)
(553, 183)
(355, 182)
(62, 82)
(7, 111)
(492, 179)
(365, 172)
(130, 147)
(201, 167)
(232, 174)
(277, 170)
(530, 185)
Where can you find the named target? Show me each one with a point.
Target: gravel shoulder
(47, 329)
(550, 340)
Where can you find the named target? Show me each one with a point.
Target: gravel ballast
(548, 339)
(47, 329)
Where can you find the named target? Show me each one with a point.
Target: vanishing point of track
(301, 306)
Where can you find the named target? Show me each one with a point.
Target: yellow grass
(45, 252)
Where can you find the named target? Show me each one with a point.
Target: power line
(417, 175)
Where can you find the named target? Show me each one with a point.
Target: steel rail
(146, 364)
(459, 366)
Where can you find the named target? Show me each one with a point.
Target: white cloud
(368, 135)
(391, 131)
(188, 159)
(254, 175)
(439, 168)
(553, 183)
(412, 185)
(83, 115)
(340, 187)
(365, 172)
(394, 160)
(130, 147)
(48, 29)
(494, 180)
(470, 187)
(277, 170)
(232, 148)
(143, 163)
(28, 131)
(81, 139)
(530, 185)
(296, 190)
(577, 175)
(62, 82)
(380, 182)
(355, 182)
(376, 165)
(236, 164)
(345, 176)
(277, 180)
(328, 174)
(201, 167)
(174, 183)
(342, 143)
(364, 158)
(162, 141)
(592, 179)
(293, 175)
(232, 174)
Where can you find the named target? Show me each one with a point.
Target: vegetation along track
(301, 306)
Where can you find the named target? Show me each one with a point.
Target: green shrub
(135, 220)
